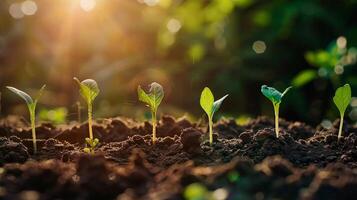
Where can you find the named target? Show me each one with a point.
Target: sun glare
(88, 5)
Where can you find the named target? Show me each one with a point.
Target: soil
(244, 162)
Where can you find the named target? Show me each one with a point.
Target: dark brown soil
(248, 161)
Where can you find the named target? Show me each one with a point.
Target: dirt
(244, 162)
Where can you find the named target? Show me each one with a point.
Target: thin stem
(90, 121)
(33, 127)
(340, 129)
(210, 125)
(276, 112)
(153, 119)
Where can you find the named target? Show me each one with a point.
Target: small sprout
(31, 104)
(210, 107)
(275, 97)
(342, 98)
(91, 145)
(152, 100)
(89, 90)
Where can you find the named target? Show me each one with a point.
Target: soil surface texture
(244, 162)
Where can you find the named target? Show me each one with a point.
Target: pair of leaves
(154, 97)
(342, 98)
(272, 94)
(31, 104)
(208, 104)
(92, 144)
(88, 89)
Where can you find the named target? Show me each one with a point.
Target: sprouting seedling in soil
(152, 100)
(275, 97)
(210, 107)
(341, 99)
(31, 104)
(89, 90)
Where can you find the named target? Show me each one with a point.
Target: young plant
(275, 97)
(341, 99)
(31, 105)
(210, 107)
(89, 90)
(152, 100)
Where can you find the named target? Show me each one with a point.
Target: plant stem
(153, 118)
(33, 127)
(210, 125)
(276, 112)
(90, 121)
(340, 129)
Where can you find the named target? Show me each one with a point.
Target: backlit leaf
(342, 98)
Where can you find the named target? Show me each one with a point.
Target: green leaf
(217, 104)
(21, 94)
(272, 94)
(342, 98)
(154, 97)
(88, 89)
(304, 77)
(39, 95)
(207, 101)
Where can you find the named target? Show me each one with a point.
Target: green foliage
(152, 100)
(275, 97)
(196, 191)
(342, 99)
(210, 107)
(304, 77)
(330, 62)
(56, 116)
(233, 176)
(31, 104)
(89, 90)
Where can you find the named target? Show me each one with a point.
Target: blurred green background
(231, 46)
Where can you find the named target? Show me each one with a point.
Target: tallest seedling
(89, 90)
(31, 104)
(342, 98)
(275, 97)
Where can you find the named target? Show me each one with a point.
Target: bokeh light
(173, 25)
(88, 5)
(29, 7)
(15, 11)
(259, 46)
(341, 42)
(151, 2)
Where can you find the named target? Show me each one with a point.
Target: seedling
(341, 99)
(152, 100)
(31, 105)
(275, 97)
(89, 90)
(210, 107)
